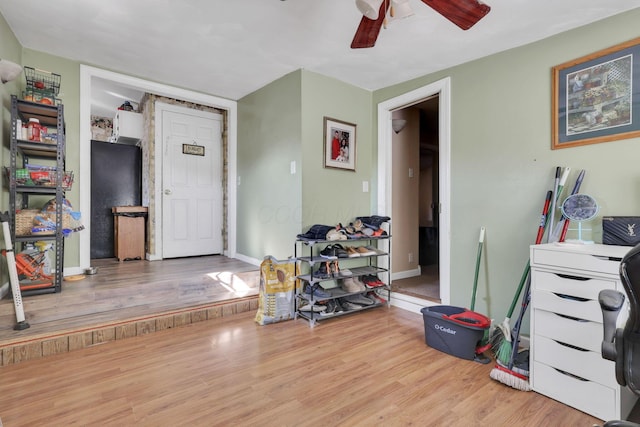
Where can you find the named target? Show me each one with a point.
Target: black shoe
(340, 251)
(329, 252)
(322, 272)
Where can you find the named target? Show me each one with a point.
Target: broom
(508, 374)
(501, 342)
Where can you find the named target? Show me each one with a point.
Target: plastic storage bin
(455, 331)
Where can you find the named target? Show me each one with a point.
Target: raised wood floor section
(368, 369)
(127, 299)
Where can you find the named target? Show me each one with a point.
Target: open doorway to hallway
(416, 199)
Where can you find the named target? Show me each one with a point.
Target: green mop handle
(523, 280)
(475, 279)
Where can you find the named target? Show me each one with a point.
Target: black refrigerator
(116, 180)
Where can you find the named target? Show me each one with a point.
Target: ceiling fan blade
(463, 13)
(368, 30)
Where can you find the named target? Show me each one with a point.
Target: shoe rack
(344, 281)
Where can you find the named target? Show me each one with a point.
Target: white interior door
(192, 184)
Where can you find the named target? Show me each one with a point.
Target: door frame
(160, 108)
(86, 75)
(442, 88)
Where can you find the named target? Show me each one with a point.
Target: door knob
(167, 192)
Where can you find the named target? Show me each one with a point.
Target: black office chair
(621, 344)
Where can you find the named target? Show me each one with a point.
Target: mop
(515, 376)
(13, 274)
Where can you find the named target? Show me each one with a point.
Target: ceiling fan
(463, 13)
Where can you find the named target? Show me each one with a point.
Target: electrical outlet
(410, 257)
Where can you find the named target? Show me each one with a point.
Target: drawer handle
(573, 347)
(576, 319)
(571, 297)
(568, 276)
(607, 258)
(571, 375)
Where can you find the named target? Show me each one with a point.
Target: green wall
(269, 196)
(10, 49)
(331, 196)
(502, 164)
(281, 123)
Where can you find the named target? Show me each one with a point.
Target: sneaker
(379, 233)
(373, 281)
(317, 292)
(331, 308)
(352, 252)
(328, 252)
(349, 306)
(376, 298)
(363, 251)
(359, 299)
(322, 272)
(340, 251)
(315, 308)
(361, 285)
(376, 250)
(348, 285)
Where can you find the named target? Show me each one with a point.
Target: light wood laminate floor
(367, 369)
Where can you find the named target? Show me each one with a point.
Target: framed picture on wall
(339, 144)
(596, 98)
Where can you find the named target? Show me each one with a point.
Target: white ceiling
(231, 48)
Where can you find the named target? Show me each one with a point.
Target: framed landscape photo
(596, 98)
(339, 144)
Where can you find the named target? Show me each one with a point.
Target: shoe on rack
(363, 251)
(361, 285)
(318, 292)
(332, 308)
(373, 281)
(379, 233)
(328, 252)
(377, 298)
(352, 252)
(376, 250)
(359, 299)
(322, 272)
(340, 251)
(349, 306)
(349, 285)
(316, 308)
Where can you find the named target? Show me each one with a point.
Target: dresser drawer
(577, 332)
(582, 308)
(577, 286)
(584, 363)
(587, 396)
(601, 259)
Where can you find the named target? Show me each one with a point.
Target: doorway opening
(87, 77)
(415, 199)
(435, 229)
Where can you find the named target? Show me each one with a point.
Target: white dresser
(566, 327)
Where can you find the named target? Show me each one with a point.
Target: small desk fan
(580, 208)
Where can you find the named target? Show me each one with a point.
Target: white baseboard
(248, 260)
(397, 275)
(72, 271)
(410, 303)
